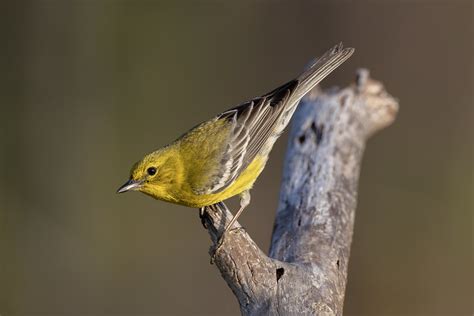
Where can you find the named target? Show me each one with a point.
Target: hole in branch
(337, 263)
(279, 273)
(318, 131)
(302, 138)
(313, 127)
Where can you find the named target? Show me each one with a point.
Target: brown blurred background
(88, 87)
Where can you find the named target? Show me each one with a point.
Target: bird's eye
(151, 171)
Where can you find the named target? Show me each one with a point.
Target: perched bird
(223, 156)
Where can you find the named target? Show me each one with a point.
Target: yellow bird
(223, 157)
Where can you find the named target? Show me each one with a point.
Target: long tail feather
(322, 67)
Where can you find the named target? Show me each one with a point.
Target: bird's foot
(202, 213)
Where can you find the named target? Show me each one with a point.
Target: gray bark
(306, 270)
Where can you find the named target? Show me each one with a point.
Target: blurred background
(88, 87)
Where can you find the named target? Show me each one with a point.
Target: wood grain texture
(306, 270)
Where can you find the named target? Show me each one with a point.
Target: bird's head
(152, 175)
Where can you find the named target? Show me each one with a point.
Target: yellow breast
(244, 182)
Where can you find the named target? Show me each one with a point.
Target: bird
(222, 157)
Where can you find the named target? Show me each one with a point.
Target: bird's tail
(322, 67)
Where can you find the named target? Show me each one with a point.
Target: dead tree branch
(306, 270)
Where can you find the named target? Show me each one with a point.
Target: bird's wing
(247, 128)
(256, 124)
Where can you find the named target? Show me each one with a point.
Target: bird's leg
(244, 202)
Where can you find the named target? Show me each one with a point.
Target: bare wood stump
(306, 270)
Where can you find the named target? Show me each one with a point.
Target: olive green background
(88, 87)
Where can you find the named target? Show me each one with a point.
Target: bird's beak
(130, 185)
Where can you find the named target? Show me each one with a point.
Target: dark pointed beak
(129, 185)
